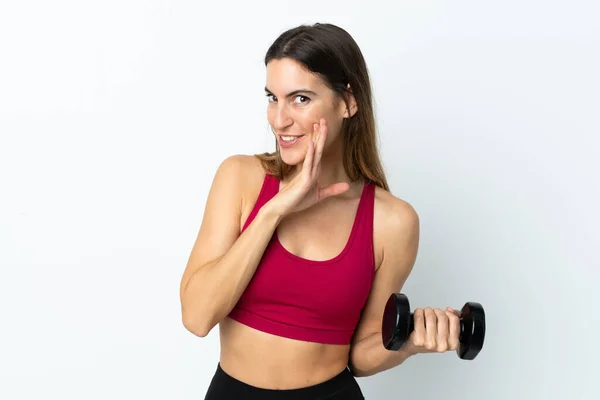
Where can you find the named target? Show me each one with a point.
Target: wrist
(410, 350)
(270, 213)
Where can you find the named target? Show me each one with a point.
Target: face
(297, 99)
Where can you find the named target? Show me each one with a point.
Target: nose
(281, 118)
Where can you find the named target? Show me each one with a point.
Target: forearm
(213, 289)
(368, 356)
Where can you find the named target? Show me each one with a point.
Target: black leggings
(341, 387)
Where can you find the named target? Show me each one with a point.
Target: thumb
(452, 310)
(334, 189)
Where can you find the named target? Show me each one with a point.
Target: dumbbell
(398, 323)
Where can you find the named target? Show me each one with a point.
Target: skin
(319, 233)
(303, 113)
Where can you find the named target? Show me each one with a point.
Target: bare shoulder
(241, 162)
(242, 169)
(247, 172)
(395, 224)
(393, 209)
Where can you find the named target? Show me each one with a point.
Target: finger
(419, 327)
(320, 142)
(442, 322)
(315, 133)
(334, 190)
(430, 329)
(322, 129)
(454, 329)
(310, 148)
(308, 158)
(455, 312)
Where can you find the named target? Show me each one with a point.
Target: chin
(292, 157)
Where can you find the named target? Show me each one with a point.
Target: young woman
(300, 249)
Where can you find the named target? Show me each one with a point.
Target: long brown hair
(330, 52)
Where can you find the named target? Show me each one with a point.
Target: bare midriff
(273, 362)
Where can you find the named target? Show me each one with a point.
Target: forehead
(286, 75)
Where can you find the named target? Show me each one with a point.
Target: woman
(299, 250)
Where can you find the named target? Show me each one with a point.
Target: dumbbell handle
(411, 326)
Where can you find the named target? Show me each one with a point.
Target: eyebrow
(295, 92)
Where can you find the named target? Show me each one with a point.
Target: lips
(289, 143)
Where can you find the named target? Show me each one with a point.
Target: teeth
(289, 138)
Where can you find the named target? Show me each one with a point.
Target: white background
(114, 116)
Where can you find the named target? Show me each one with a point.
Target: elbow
(354, 367)
(200, 331)
(200, 327)
(357, 373)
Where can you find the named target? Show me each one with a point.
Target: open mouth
(287, 141)
(289, 138)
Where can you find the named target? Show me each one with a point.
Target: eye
(306, 99)
(298, 99)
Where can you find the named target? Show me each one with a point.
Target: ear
(352, 107)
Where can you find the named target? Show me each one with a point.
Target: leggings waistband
(225, 386)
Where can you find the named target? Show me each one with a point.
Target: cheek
(305, 119)
(270, 115)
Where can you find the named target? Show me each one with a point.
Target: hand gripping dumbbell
(398, 323)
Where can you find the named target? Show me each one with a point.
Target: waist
(269, 361)
(343, 386)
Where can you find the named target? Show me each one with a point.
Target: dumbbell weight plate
(396, 322)
(473, 331)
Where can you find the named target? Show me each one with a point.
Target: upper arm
(400, 242)
(221, 219)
